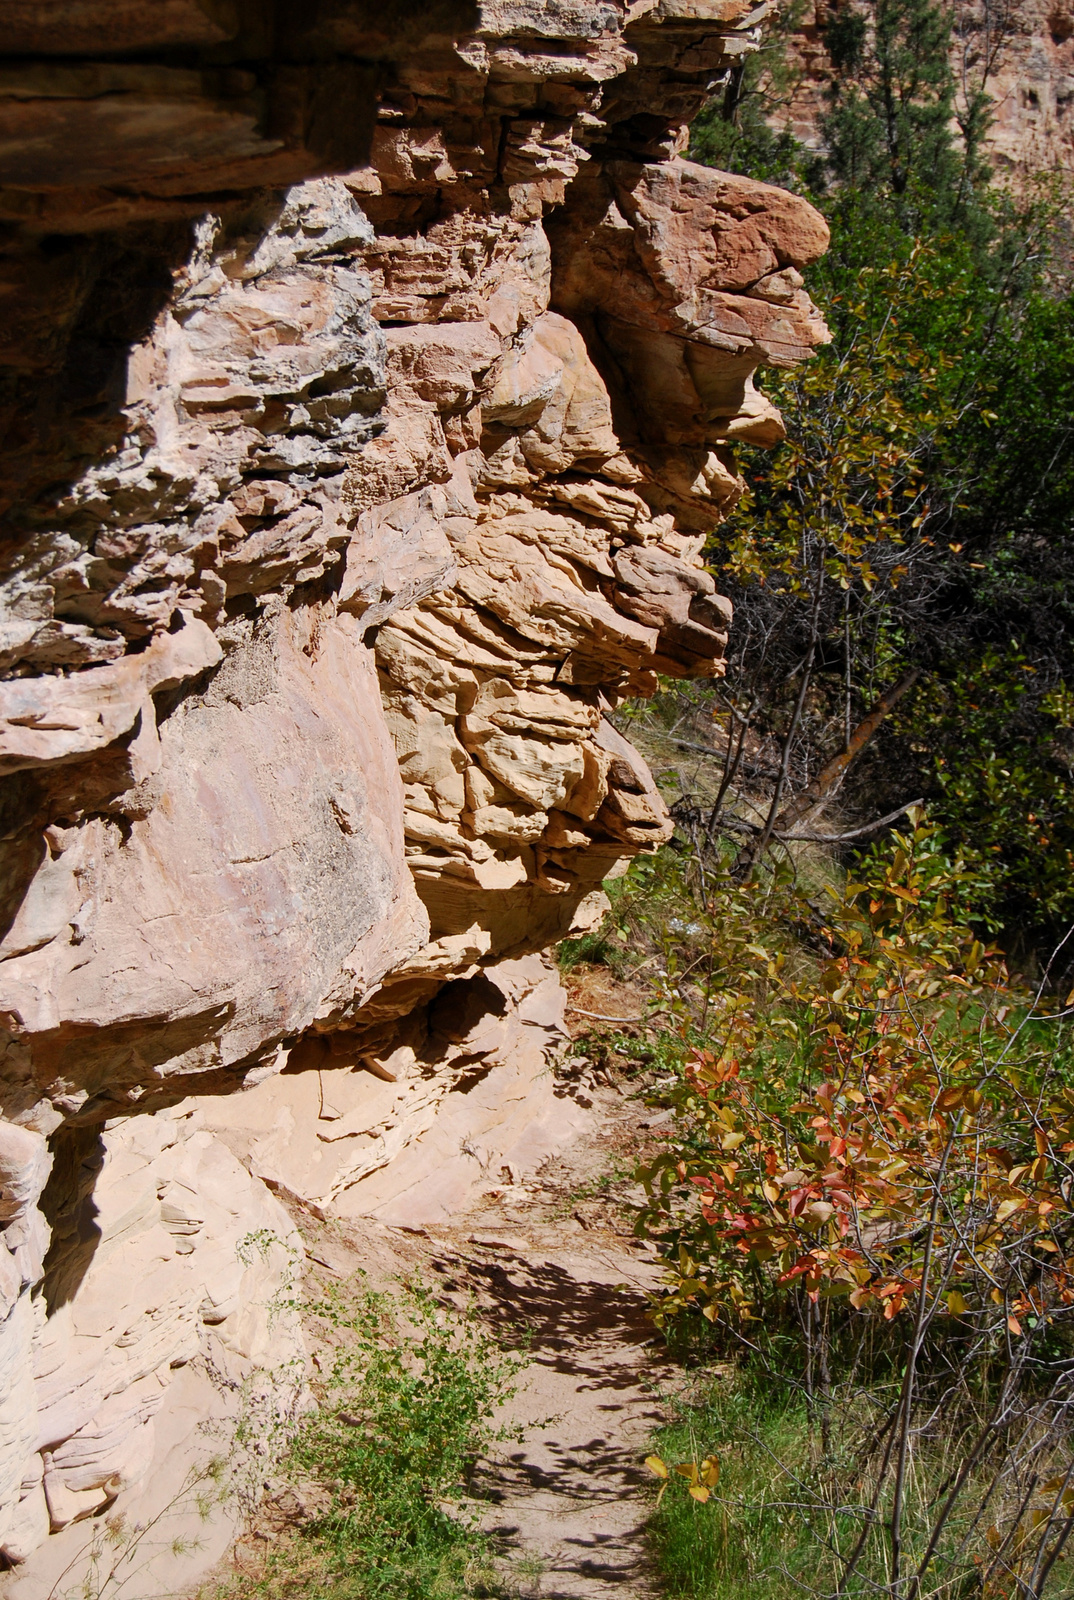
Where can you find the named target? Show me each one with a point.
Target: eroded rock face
(1030, 83)
(342, 516)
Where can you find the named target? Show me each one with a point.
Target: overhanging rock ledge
(371, 378)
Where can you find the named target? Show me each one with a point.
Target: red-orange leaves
(900, 1159)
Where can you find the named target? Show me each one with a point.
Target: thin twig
(855, 833)
(598, 1016)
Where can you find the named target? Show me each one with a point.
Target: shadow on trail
(556, 1312)
(574, 1492)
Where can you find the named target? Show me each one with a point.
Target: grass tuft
(743, 1543)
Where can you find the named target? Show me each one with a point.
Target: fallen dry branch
(854, 833)
(598, 1016)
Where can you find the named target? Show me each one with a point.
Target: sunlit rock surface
(372, 377)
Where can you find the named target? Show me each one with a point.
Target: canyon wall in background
(1031, 85)
(371, 376)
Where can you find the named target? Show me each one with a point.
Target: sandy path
(569, 1497)
(569, 1494)
(552, 1266)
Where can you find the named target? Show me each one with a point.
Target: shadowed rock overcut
(372, 381)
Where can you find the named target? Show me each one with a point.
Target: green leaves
(904, 1121)
(920, 511)
(848, 489)
(407, 1407)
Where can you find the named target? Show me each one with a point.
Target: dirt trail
(569, 1496)
(552, 1264)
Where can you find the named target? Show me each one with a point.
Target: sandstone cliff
(1030, 81)
(371, 380)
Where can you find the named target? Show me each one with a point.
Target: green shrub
(408, 1406)
(867, 1192)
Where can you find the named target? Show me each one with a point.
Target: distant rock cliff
(371, 380)
(1031, 86)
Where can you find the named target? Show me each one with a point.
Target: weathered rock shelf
(371, 381)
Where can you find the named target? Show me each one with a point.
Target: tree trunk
(830, 774)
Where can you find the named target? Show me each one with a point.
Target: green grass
(735, 1546)
(780, 1507)
(596, 949)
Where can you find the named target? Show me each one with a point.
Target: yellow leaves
(702, 1477)
(785, 1024)
(970, 1099)
(659, 1469)
(973, 957)
(814, 1138)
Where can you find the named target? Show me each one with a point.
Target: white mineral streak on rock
(343, 517)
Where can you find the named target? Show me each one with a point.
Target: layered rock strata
(372, 387)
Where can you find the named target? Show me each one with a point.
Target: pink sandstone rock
(371, 392)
